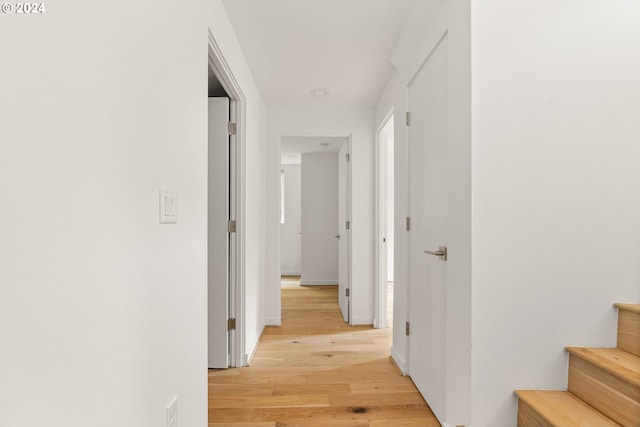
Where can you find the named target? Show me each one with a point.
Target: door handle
(440, 253)
(337, 236)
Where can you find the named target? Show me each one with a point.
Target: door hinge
(408, 118)
(346, 292)
(231, 128)
(406, 329)
(348, 157)
(408, 223)
(231, 325)
(347, 225)
(231, 226)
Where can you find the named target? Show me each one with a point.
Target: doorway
(225, 215)
(314, 227)
(384, 222)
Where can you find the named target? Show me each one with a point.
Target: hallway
(315, 370)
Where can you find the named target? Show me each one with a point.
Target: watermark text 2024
(24, 8)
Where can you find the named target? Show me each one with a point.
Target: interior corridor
(316, 370)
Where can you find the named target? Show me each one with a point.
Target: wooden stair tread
(617, 362)
(562, 409)
(629, 307)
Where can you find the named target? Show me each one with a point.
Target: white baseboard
(319, 282)
(289, 273)
(273, 321)
(376, 324)
(252, 349)
(361, 321)
(402, 364)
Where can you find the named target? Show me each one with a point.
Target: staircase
(604, 384)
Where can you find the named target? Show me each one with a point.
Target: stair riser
(609, 394)
(529, 417)
(629, 331)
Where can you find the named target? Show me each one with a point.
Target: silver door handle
(441, 253)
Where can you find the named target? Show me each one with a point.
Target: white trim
(248, 357)
(327, 282)
(361, 320)
(289, 273)
(380, 250)
(402, 364)
(230, 84)
(349, 216)
(273, 321)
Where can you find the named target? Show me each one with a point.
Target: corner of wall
(400, 362)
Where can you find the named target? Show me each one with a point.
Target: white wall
(323, 120)
(102, 309)
(290, 248)
(319, 219)
(556, 201)
(97, 296)
(427, 23)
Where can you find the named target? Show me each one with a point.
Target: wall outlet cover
(172, 412)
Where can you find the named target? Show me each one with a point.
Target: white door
(344, 234)
(428, 230)
(218, 235)
(384, 220)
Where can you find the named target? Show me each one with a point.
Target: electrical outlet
(172, 412)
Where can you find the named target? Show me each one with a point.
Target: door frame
(380, 319)
(349, 181)
(221, 69)
(348, 188)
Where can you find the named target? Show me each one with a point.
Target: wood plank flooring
(316, 370)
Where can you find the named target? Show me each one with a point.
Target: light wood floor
(316, 370)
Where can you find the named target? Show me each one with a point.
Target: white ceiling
(294, 46)
(292, 147)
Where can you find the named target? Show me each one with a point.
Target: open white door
(344, 232)
(428, 103)
(384, 233)
(218, 233)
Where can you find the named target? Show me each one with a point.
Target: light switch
(168, 206)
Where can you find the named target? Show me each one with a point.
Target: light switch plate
(168, 206)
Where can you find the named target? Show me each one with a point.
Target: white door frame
(224, 74)
(348, 140)
(344, 232)
(380, 319)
